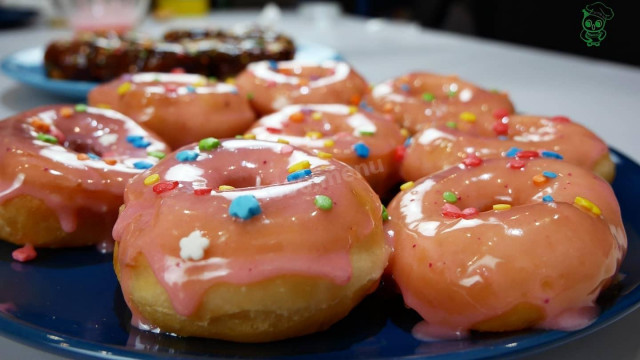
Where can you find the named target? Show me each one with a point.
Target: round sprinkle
(316, 115)
(323, 155)
(47, 138)
(361, 150)
(468, 116)
(428, 96)
(313, 135)
(300, 174)
(164, 186)
(588, 205)
(498, 114)
(151, 179)
(225, 188)
(142, 165)
(404, 132)
(301, 165)
(552, 155)
(82, 157)
(66, 111)
(157, 154)
(245, 207)
(547, 198)
(512, 152)
(81, 107)
(550, 174)
(451, 124)
(296, 117)
(385, 213)
(323, 202)
(186, 155)
(406, 186)
(202, 191)
(208, 144)
(539, 179)
(472, 160)
(249, 136)
(329, 143)
(283, 141)
(501, 207)
(124, 88)
(449, 197)
(516, 164)
(527, 154)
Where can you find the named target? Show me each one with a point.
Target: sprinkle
(469, 213)
(296, 117)
(286, 149)
(468, 116)
(245, 207)
(190, 89)
(164, 186)
(366, 133)
(142, 165)
(516, 164)
(550, 174)
(66, 111)
(151, 179)
(449, 197)
(208, 144)
(316, 115)
(300, 174)
(124, 88)
(512, 152)
(428, 96)
(405, 87)
(249, 136)
(202, 191)
(329, 143)
(138, 141)
(93, 156)
(157, 154)
(24, 254)
(230, 80)
(388, 107)
(551, 154)
(407, 142)
(451, 124)
(385, 213)
(273, 65)
(110, 161)
(40, 125)
(47, 138)
(547, 198)
(353, 110)
(81, 108)
(186, 155)
(301, 165)
(225, 188)
(250, 96)
(580, 201)
(192, 247)
(283, 141)
(82, 157)
(177, 70)
(404, 132)
(501, 207)
(212, 79)
(451, 93)
(498, 114)
(406, 186)
(451, 211)
(500, 128)
(272, 130)
(103, 106)
(239, 137)
(323, 155)
(472, 160)
(399, 153)
(313, 135)
(561, 119)
(361, 150)
(323, 202)
(539, 179)
(354, 99)
(527, 154)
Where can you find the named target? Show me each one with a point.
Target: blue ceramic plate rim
(64, 345)
(27, 66)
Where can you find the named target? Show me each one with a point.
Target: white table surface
(602, 95)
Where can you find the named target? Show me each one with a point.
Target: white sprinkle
(108, 139)
(193, 246)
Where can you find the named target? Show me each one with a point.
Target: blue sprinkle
(547, 198)
(361, 150)
(407, 142)
(93, 156)
(503, 137)
(512, 152)
(297, 175)
(245, 207)
(134, 138)
(187, 155)
(234, 91)
(141, 144)
(551, 154)
(405, 87)
(273, 64)
(549, 174)
(190, 88)
(142, 165)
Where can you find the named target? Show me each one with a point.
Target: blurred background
(548, 24)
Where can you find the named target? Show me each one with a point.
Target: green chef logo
(595, 16)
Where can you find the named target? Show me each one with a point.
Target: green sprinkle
(451, 124)
(250, 96)
(47, 138)
(449, 197)
(385, 214)
(452, 93)
(208, 143)
(157, 154)
(81, 108)
(495, 91)
(366, 133)
(239, 137)
(213, 79)
(323, 202)
(428, 97)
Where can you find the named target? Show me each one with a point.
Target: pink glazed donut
(419, 100)
(364, 140)
(63, 170)
(181, 108)
(489, 247)
(272, 85)
(248, 241)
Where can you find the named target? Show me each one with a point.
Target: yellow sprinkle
(103, 106)
(300, 165)
(283, 141)
(230, 80)
(124, 88)
(200, 82)
(404, 132)
(329, 143)
(316, 115)
(406, 186)
(314, 135)
(250, 136)
(152, 179)
(580, 201)
(324, 155)
(353, 109)
(225, 187)
(501, 207)
(468, 116)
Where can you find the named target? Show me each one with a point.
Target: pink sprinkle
(472, 160)
(561, 119)
(469, 213)
(286, 149)
(55, 132)
(273, 130)
(451, 211)
(516, 164)
(24, 254)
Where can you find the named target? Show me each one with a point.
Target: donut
(364, 140)
(210, 52)
(63, 170)
(491, 247)
(271, 85)
(214, 242)
(419, 99)
(437, 148)
(181, 108)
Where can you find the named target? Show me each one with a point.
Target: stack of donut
(503, 221)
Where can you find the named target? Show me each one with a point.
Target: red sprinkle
(170, 87)
(516, 164)
(469, 213)
(203, 191)
(399, 154)
(24, 254)
(451, 211)
(501, 128)
(500, 113)
(561, 119)
(273, 130)
(472, 160)
(527, 154)
(161, 187)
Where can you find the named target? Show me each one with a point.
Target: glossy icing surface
(181, 108)
(274, 85)
(417, 100)
(241, 251)
(335, 129)
(435, 149)
(45, 155)
(547, 257)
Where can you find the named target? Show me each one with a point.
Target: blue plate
(27, 66)
(69, 302)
